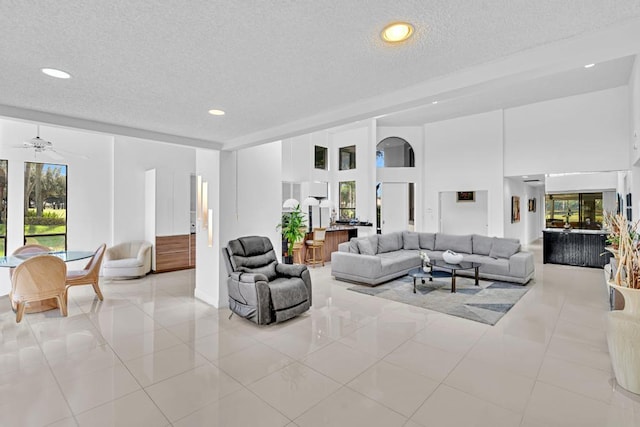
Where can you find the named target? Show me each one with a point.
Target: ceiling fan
(42, 146)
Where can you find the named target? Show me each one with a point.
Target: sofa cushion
(268, 270)
(411, 240)
(389, 242)
(393, 262)
(365, 247)
(481, 245)
(427, 241)
(503, 248)
(498, 266)
(287, 292)
(454, 243)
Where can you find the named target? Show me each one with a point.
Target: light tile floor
(152, 355)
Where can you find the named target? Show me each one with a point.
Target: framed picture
(466, 196)
(515, 209)
(532, 205)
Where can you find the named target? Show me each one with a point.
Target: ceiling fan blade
(53, 154)
(66, 153)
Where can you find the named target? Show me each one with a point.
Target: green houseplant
(292, 226)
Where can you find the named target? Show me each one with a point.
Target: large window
(3, 207)
(394, 152)
(320, 157)
(579, 210)
(347, 200)
(347, 156)
(45, 205)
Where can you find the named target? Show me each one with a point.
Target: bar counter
(334, 236)
(584, 248)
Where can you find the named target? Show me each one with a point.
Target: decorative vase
(451, 257)
(623, 339)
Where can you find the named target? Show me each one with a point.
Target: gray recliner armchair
(261, 289)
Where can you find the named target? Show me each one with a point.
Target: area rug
(486, 303)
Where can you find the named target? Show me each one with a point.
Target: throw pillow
(454, 243)
(353, 246)
(411, 240)
(481, 244)
(503, 248)
(389, 242)
(427, 241)
(365, 247)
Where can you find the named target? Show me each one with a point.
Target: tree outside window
(45, 205)
(347, 203)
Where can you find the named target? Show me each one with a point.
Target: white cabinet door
(394, 206)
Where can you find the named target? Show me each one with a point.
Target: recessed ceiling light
(397, 32)
(434, 102)
(589, 65)
(525, 176)
(216, 112)
(58, 74)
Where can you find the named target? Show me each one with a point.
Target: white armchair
(127, 260)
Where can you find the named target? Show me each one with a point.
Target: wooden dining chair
(28, 249)
(39, 278)
(90, 275)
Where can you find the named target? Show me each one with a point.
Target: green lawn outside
(56, 243)
(3, 229)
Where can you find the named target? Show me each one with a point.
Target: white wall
(413, 135)
(530, 226)
(580, 133)
(132, 157)
(250, 203)
(89, 184)
(464, 154)
(583, 182)
(464, 217)
(364, 174)
(634, 114)
(208, 261)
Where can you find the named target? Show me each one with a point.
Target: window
(580, 210)
(3, 207)
(347, 200)
(45, 205)
(394, 152)
(347, 157)
(321, 157)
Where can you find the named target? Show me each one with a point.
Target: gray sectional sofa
(380, 258)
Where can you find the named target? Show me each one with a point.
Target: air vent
(531, 180)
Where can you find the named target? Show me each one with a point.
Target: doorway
(395, 203)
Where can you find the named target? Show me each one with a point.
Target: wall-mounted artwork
(532, 205)
(466, 196)
(515, 209)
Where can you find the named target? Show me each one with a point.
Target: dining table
(12, 261)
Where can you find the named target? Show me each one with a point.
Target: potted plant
(623, 326)
(292, 226)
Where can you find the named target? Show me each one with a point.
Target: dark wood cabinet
(175, 252)
(577, 248)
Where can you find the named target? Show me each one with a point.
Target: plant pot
(623, 339)
(287, 259)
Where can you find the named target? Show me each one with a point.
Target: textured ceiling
(152, 68)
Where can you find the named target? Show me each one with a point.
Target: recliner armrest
(248, 277)
(290, 270)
